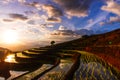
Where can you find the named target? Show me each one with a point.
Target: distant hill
(107, 39)
(106, 46)
(1, 48)
(84, 32)
(5, 49)
(110, 38)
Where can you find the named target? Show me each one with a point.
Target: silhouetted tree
(85, 36)
(52, 43)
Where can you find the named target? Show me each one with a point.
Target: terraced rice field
(37, 64)
(58, 72)
(92, 68)
(35, 73)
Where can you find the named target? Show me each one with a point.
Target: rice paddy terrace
(54, 63)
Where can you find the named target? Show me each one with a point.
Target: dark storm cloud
(77, 8)
(18, 16)
(53, 11)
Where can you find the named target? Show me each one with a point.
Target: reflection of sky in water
(10, 58)
(16, 73)
(94, 71)
(58, 72)
(2, 78)
(86, 71)
(63, 65)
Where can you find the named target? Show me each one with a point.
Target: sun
(10, 36)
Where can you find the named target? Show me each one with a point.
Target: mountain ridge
(105, 46)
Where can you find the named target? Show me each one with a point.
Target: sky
(32, 23)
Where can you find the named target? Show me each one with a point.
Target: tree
(52, 43)
(85, 36)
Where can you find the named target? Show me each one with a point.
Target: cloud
(112, 6)
(47, 25)
(34, 31)
(114, 19)
(69, 25)
(18, 16)
(8, 20)
(53, 20)
(77, 8)
(50, 25)
(52, 11)
(22, 1)
(101, 23)
(6, 1)
(29, 12)
(111, 20)
(62, 27)
(31, 22)
(63, 31)
(34, 4)
(100, 17)
(63, 35)
(9, 1)
(37, 19)
(90, 21)
(37, 16)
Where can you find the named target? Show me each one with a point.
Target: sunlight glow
(9, 58)
(10, 37)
